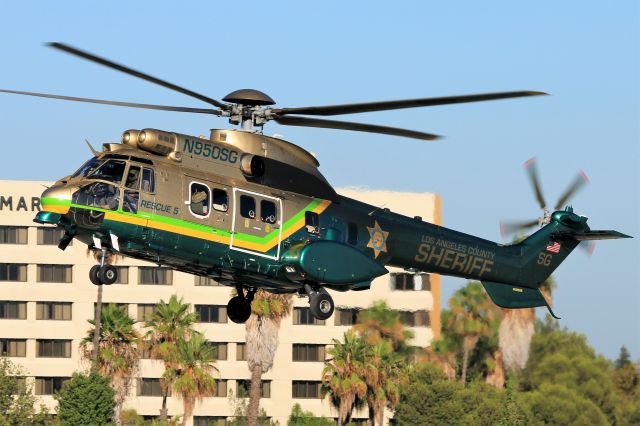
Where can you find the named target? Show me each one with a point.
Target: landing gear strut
(320, 302)
(239, 307)
(103, 273)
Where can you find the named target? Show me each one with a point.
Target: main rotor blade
(508, 228)
(579, 181)
(532, 170)
(406, 103)
(102, 61)
(116, 103)
(358, 127)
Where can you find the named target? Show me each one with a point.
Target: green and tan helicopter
(254, 211)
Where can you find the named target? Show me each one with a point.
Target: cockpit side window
(148, 180)
(133, 177)
(111, 170)
(200, 199)
(99, 194)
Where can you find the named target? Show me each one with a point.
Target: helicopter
(254, 212)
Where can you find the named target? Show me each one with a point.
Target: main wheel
(108, 274)
(321, 305)
(239, 309)
(93, 275)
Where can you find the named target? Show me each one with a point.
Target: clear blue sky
(585, 53)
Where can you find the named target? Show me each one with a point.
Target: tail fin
(541, 254)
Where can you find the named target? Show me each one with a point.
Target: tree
(472, 316)
(190, 372)
(267, 311)
(383, 373)
(380, 322)
(17, 402)
(343, 377)
(86, 399)
(118, 356)
(299, 417)
(624, 358)
(170, 322)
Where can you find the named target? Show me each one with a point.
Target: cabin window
(268, 213)
(247, 207)
(200, 198)
(220, 200)
(111, 171)
(352, 233)
(130, 203)
(133, 177)
(312, 222)
(148, 180)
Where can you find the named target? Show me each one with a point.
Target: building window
(54, 273)
(150, 275)
(345, 316)
(149, 387)
(306, 389)
(50, 236)
(200, 198)
(268, 213)
(13, 235)
(241, 351)
(415, 319)
(49, 385)
(221, 388)
(220, 200)
(21, 385)
(302, 316)
(123, 275)
(144, 350)
(247, 207)
(145, 311)
(206, 281)
(312, 222)
(409, 282)
(211, 313)
(59, 311)
(13, 347)
(13, 272)
(219, 350)
(124, 307)
(305, 352)
(209, 421)
(243, 386)
(13, 310)
(50, 348)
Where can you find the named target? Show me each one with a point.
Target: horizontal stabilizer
(589, 235)
(515, 297)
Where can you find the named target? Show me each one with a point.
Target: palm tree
(170, 322)
(118, 355)
(380, 322)
(384, 373)
(472, 316)
(268, 310)
(190, 372)
(343, 377)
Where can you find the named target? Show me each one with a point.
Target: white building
(46, 299)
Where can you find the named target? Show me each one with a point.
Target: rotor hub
(249, 97)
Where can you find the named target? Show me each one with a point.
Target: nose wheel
(103, 273)
(239, 307)
(321, 303)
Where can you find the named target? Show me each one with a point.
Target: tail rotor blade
(509, 228)
(532, 171)
(580, 181)
(588, 247)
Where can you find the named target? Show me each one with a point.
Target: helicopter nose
(56, 199)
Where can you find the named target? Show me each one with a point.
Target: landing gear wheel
(321, 305)
(108, 274)
(239, 309)
(93, 275)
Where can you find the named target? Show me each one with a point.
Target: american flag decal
(553, 247)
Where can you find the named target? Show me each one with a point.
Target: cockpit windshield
(110, 170)
(88, 167)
